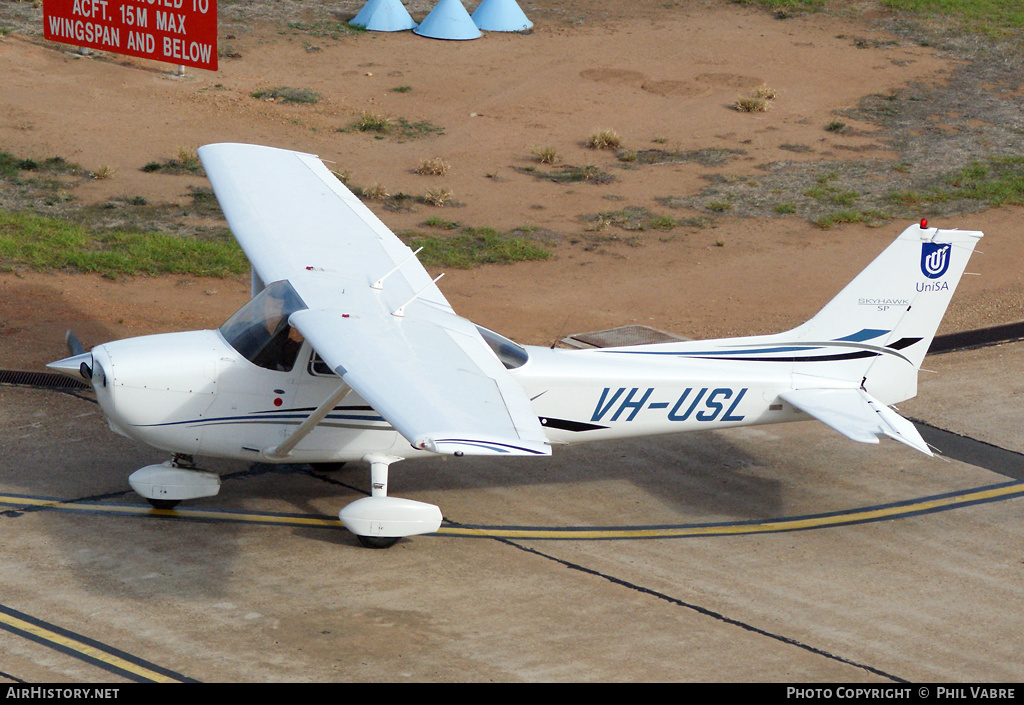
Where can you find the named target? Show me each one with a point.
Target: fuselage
(193, 393)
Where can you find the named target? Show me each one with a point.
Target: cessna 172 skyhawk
(348, 351)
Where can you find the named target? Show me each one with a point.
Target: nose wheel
(165, 485)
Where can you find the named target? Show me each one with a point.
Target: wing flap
(430, 381)
(857, 415)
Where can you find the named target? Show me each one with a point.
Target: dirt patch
(730, 81)
(657, 243)
(614, 77)
(681, 89)
(895, 154)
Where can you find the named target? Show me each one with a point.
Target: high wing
(426, 370)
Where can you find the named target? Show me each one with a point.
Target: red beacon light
(924, 223)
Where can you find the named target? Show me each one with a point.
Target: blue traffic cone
(501, 16)
(383, 16)
(448, 20)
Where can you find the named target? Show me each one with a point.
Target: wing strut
(284, 449)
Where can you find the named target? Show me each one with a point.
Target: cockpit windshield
(259, 331)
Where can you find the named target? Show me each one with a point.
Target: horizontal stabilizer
(857, 415)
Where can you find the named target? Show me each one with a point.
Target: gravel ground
(935, 131)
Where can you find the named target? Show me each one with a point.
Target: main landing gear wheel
(378, 541)
(378, 521)
(163, 503)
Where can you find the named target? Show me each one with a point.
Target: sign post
(182, 32)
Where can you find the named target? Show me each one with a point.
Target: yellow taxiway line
(897, 510)
(903, 509)
(138, 670)
(108, 658)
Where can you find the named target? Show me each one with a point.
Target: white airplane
(348, 351)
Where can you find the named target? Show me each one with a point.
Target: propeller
(79, 365)
(75, 346)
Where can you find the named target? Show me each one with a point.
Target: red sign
(180, 32)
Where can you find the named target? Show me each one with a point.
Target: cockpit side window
(259, 331)
(318, 367)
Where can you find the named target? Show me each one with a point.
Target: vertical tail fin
(887, 316)
(874, 334)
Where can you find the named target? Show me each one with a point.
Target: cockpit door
(352, 427)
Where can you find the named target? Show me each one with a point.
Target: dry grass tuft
(604, 139)
(374, 122)
(546, 155)
(104, 172)
(376, 192)
(750, 104)
(437, 196)
(757, 100)
(188, 159)
(433, 167)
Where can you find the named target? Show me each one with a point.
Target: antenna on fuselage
(561, 333)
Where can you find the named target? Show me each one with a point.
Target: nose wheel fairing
(166, 484)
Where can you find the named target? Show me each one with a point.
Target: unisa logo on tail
(934, 259)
